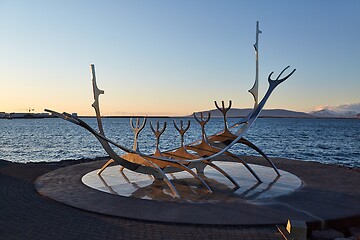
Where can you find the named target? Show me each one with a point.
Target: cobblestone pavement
(24, 214)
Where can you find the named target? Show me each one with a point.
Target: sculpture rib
(165, 178)
(181, 166)
(253, 146)
(223, 172)
(105, 166)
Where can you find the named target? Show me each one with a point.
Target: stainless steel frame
(208, 149)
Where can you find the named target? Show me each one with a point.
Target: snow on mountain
(282, 113)
(332, 114)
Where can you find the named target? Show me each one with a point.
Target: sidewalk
(24, 214)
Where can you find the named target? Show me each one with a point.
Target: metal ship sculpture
(193, 157)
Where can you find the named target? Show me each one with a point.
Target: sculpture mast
(96, 104)
(255, 89)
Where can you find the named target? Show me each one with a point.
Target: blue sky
(176, 57)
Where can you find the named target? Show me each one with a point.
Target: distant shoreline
(214, 113)
(140, 116)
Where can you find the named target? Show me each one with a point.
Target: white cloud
(354, 107)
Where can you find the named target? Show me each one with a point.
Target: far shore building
(15, 115)
(4, 115)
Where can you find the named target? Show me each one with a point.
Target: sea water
(330, 141)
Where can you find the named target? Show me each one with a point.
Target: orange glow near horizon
(175, 58)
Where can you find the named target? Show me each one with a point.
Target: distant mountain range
(332, 114)
(282, 113)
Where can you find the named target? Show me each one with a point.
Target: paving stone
(329, 234)
(355, 232)
(24, 214)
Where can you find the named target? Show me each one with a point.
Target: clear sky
(176, 57)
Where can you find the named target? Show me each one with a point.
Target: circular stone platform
(127, 183)
(324, 193)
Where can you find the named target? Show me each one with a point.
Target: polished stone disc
(131, 184)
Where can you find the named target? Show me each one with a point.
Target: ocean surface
(330, 141)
